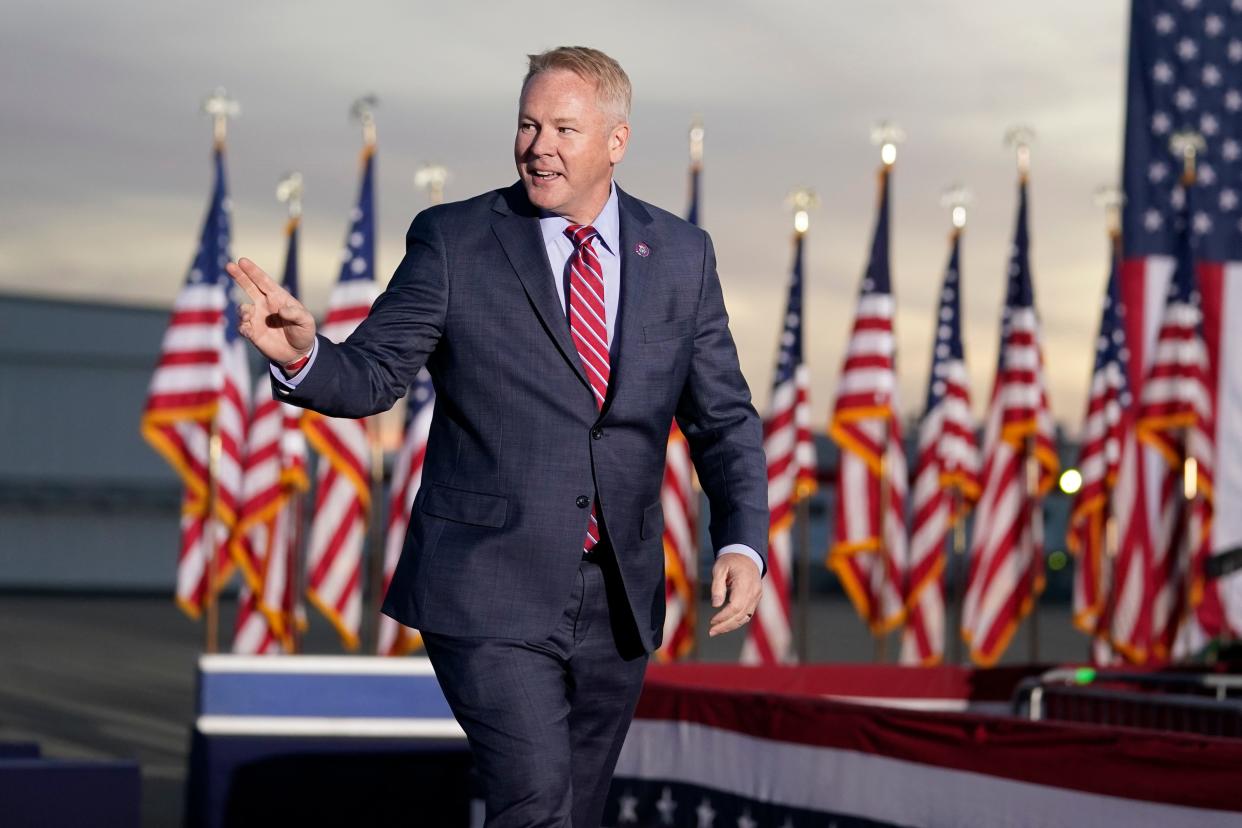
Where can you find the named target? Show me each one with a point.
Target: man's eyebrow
(564, 121)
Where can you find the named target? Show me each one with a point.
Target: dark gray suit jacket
(517, 445)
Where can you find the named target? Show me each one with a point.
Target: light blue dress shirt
(608, 249)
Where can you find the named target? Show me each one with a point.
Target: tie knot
(580, 234)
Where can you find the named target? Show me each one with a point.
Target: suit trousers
(546, 719)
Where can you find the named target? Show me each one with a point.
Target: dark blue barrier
(19, 750)
(300, 740)
(54, 793)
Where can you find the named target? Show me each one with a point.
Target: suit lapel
(636, 276)
(518, 232)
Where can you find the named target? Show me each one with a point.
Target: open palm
(279, 325)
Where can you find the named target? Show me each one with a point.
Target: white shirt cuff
(292, 382)
(743, 549)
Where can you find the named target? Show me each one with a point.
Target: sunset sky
(105, 170)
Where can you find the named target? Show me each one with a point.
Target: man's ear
(618, 141)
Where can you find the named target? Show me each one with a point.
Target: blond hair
(612, 85)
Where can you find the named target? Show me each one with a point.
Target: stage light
(1071, 481)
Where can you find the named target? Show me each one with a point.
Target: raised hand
(279, 326)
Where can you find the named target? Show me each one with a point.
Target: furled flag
(1185, 68)
(200, 386)
(790, 452)
(1006, 573)
(407, 473)
(1108, 410)
(1175, 422)
(343, 483)
(680, 504)
(266, 543)
(946, 475)
(869, 552)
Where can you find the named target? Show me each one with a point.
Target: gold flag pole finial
(803, 201)
(886, 135)
(957, 198)
(1187, 145)
(289, 193)
(1111, 199)
(220, 107)
(696, 142)
(431, 179)
(363, 111)
(1019, 138)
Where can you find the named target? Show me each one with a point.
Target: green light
(1057, 561)
(1084, 675)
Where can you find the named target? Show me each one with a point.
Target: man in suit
(565, 324)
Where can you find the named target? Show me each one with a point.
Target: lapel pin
(642, 249)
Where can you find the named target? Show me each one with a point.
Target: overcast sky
(106, 163)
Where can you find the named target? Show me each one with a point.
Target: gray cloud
(105, 169)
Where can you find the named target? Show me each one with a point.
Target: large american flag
(1006, 573)
(1103, 434)
(201, 382)
(343, 484)
(869, 552)
(1185, 73)
(268, 530)
(407, 474)
(790, 452)
(679, 501)
(946, 474)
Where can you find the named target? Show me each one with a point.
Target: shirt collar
(607, 224)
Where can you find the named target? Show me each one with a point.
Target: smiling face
(567, 145)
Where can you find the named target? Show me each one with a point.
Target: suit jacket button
(597, 433)
(583, 501)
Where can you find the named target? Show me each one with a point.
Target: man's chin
(543, 196)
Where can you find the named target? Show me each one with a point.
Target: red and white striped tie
(590, 331)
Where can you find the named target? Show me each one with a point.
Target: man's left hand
(736, 578)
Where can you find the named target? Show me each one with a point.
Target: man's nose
(544, 143)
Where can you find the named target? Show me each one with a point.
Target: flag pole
(220, 107)
(887, 136)
(801, 507)
(289, 192)
(363, 111)
(957, 551)
(211, 556)
(956, 198)
(1031, 473)
(1020, 138)
(297, 612)
(694, 507)
(1111, 199)
(803, 200)
(881, 639)
(1188, 144)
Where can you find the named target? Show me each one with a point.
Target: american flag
(680, 504)
(343, 483)
(1185, 73)
(792, 464)
(1108, 410)
(1019, 467)
(869, 552)
(1175, 424)
(407, 473)
(946, 474)
(265, 543)
(201, 382)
